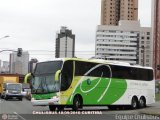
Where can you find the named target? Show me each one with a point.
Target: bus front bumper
(46, 102)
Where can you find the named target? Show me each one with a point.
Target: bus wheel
(142, 102)
(76, 103)
(52, 107)
(134, 103)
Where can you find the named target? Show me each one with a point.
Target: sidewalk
(152, 110)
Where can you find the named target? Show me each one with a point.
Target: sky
(32, 25)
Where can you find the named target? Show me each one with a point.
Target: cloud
(32, 24)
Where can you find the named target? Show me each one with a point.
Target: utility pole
(66, 45)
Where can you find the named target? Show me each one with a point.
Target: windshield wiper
(42, 87)
(40, 84)
(46, 84)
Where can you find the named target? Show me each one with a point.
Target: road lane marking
(19, 116)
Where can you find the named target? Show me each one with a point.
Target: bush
(158, 97)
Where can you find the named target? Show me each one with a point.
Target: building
(5, 67)
(128, 42)
(114, 10)
(156, 36)
(65, 43)
(0, 66)
(32, 64)
(19, 64)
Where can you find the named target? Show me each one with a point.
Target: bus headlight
(32, 99)
(56, 98)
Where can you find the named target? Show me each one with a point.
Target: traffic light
(19, 52)
(158, 67)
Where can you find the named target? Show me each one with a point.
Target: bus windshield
(43, 80)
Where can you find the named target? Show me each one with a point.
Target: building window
(148, 46)
(148, 42)
(147, 60)
(147, 65)
(142, 42)
(147, 56)
(148, 33)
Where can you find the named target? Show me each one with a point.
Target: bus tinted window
(83, 67)
(67, 75)
(96, 70)
(131, 73)
(150, 74)
(101, 71)
(119, 72)
(48, 67)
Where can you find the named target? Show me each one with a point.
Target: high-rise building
(128, 42)
(156, 36)
(65, 43)
(112, 11)
(0, 66)
(5, 67)
(19, 64)
(32, 64)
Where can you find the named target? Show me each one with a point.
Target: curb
(154, 112)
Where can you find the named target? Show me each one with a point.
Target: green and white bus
(75, 82)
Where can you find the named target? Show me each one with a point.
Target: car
(12, 90)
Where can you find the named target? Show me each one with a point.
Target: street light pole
(4, 37)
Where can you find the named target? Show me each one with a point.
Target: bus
(76, 82)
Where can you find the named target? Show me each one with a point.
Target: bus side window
(67, 75)
(150, 75)
(101, 71)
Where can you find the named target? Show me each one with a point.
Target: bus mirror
(32, 74)
(57, 75)
(26, 77)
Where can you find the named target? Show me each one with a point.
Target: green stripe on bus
(115, 91)
(43, 96)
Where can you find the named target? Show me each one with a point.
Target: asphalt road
(23, 110)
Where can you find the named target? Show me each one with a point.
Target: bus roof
(102, 61)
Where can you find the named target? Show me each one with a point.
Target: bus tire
(76, 103)
(142, 102)
(52, 107)
(134, 103)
